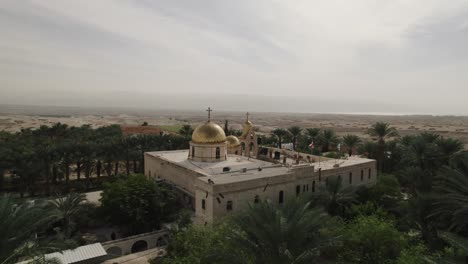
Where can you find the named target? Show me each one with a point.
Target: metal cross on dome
(209, 110)
(247, 116)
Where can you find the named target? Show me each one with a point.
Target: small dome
(233, 141)
(208, 133)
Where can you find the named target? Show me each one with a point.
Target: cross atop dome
(209, 110)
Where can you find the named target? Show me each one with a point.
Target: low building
(219, 175)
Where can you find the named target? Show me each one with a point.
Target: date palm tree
(266, 233)
(295, 132)
(326, 138)
(280, 133)
(334, 197)
(69, 207)
(351, 142)
(312, 134)
(186, 131)
(382, 131)
(19, 225)
(451, 205)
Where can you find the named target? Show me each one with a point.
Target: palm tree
(382, 131)
(266, 233)
(313, 134)
(327, 138)
(334, 197)
(451, 205)
(280, 133)
(186, 131)
(448, 147)
(351, 142)
(19, 225)
(295, 132)
(69, 207)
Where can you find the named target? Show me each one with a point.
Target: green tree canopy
(138, 203)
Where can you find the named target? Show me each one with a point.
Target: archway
(139, 246)
(243, 151)
(162, 241)
(114, 251)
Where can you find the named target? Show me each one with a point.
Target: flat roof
(351, 161)
(214, 170)
(78, 254)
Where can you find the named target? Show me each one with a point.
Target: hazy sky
(302, 55)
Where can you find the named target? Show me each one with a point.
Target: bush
(413, 255)
(139, 204)
(194, 244)
(371, 239)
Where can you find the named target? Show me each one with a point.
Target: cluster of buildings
(222, 174)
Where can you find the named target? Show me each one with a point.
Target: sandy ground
(15, 118)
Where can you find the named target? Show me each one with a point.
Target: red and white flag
(311, 145)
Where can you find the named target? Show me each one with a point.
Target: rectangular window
(229, 206)
(369, 174)
(298, 190)
(281, 197)
(313, 186)
(320, 174)
(203, 205)
(303, 188)
(350, 178)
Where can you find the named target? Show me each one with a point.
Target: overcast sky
(398, 56)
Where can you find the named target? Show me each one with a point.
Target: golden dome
(233, 141)
(208, 133)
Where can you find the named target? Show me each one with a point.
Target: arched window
(256, 199)
(203, 204)
(369, 174)
(218, 153)
(281, 197)
(350, 178)
(362, 175)
(298, 190)
(193, 152)
(320, 174)
(229, 206)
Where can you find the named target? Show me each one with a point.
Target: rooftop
(351, 161)
(214, 170)
(245, 169)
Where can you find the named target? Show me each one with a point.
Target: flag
(311, 145)
(339, 147)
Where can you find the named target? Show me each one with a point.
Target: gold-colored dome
(233, 141)
(208, 133)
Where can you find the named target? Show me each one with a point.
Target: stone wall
(241, 194)
(161, 169)
(129, 245)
